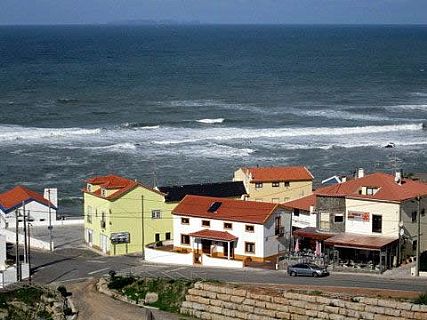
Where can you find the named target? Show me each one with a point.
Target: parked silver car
(307, 269)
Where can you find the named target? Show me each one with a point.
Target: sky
(24, 12)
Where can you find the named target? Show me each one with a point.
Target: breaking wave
(211, 121)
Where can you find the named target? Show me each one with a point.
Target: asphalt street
(70, 265)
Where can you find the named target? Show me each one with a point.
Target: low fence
(8, 276)
(221, 262)
(154, 254)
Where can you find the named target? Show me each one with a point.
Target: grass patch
(171, 293)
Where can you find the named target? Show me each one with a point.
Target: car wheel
(293, 274)
(315, 274)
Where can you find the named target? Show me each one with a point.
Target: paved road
(70, 265)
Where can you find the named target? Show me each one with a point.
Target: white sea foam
(211, 121)
(337, 114)
(12, 133)
(406, 107)
(224, 134)
(115, 147)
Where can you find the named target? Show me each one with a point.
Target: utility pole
(29, 252)
(50, 222)
(142, 226)
(17, 246)
(25, 232)
(417, 272)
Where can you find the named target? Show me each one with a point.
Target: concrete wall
(159, 256)
(219, 302)
(328, 207)
(411, 227)
(35, 243)
(221, 262)
(304, 219)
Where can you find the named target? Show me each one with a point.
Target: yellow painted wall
(268, 193)
(130, 213)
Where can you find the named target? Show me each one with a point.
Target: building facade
(231, 229)
(275, 184)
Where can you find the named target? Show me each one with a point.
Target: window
(249, 228)
(249, 247)
(104, 192)
(185, 221)
(370, 191)
(155, 214)
(89, 187)
(157, 237)
(377, 223)
(185, 239)
(423, 212)
(89, 214)
(278, 229)
(167, 235)
(206, 223)
(275, 184)
(287, 183)
(228, 225)
(258, 185)
(414, 245)
(275, 200)
(338, 218)
(296, 212)
(414, 216)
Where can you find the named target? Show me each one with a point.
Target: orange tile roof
(303, 203)
(13, 198)
(111, 181)
(213, 235)
(229, 210)
(271, 174)
(389, 190)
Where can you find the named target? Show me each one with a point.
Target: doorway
(206, 246)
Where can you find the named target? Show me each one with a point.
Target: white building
(227, 229)
(38, 208)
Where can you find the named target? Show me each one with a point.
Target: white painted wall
(390, 217)
(272, 243)
(266, 243)
(36, 211)
(159, 256)
(304, 220)
(3, 255)
(221, 262)
(8, 276)
(35, 243)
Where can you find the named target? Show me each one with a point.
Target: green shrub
(118, 282)
(421, 299)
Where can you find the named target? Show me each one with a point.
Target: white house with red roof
(373, 216)
(38, 208)
(217, 230)
(275, 184)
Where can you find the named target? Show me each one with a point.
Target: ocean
(187, 104)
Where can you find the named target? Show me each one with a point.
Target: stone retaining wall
(219, 302)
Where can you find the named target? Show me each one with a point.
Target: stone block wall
(219, 302)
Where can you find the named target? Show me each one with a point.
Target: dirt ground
(93, 305)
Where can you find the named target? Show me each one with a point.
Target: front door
(206, 246)
(104, 243)
(225, 244)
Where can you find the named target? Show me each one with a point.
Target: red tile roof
(271, 174)
(351, 240)
(303, 203)
(388, 190)
(13, 198)
(213, 235)
(229, 210)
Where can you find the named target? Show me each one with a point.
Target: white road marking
(97, 271)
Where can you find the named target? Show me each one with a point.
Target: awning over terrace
(357, 241)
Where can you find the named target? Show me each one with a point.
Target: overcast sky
(214, 11)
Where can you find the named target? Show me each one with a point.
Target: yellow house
(123, 216)
(275, 184)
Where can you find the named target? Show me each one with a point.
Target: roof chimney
(398, 177)
(52, 194)
(343, 179)
(360, 173)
